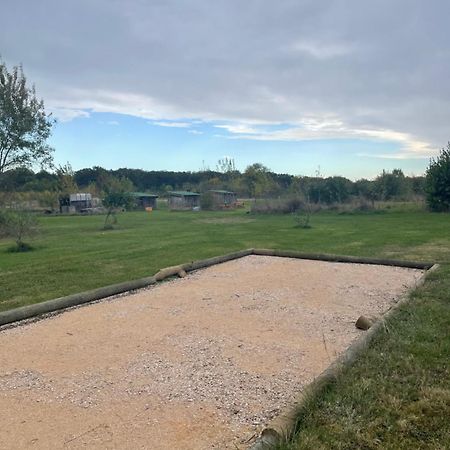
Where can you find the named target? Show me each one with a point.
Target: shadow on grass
(21, 247)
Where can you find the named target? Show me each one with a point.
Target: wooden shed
(184, 200)
(224, 199)
(143, 200)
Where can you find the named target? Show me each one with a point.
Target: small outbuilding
(184, 200)
(142, 200)
(81, 201)
(75, 203)
(224, 199)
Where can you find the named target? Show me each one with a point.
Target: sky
(336, 87)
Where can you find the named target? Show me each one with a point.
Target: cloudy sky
(348, 85)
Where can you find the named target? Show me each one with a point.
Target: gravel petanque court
(201, 362)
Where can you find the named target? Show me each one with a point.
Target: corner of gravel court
(396, 395)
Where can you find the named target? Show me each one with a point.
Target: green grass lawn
(396, 396)
(73, 254)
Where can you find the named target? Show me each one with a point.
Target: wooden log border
(58, 304)
(285, 421)
(344, 259)
(62, 303)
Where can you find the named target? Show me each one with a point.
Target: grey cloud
(378, 65)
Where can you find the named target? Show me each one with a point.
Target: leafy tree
(86, 177)
(336, 190)
(315, 189)
(258, 180)
(366, 189)
(42, 181)
(438, 181)
(236, 184)
(18, 224)
(391, 185)
(24, 124)
(116, 196)
(14, 179)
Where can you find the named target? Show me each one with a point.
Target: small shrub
(117, 197)
(207, 202)
(18, 224)
(302, 219)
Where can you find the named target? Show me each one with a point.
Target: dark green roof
(219, 191)
(183, 193)
(143, 194)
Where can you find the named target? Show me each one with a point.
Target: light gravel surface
(202, 362)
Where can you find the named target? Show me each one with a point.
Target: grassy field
(397, 396)
(73, 254)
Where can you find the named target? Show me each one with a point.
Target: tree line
(257, 181)
(25, 128)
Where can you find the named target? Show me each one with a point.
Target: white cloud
(412, 146)
(373, 70)
(314, 128)
(195, 132)
(239, 128)
(172, 124)
(67, 114)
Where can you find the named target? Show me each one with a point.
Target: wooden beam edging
(195, 265)
(59, 304)
(343, 259)
(284, 423)
(62, 303)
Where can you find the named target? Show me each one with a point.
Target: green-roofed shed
(144, 200)
(184, 200)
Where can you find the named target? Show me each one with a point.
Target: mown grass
(73, 254)
(396, 396)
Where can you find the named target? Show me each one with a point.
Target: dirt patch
(201, 362)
